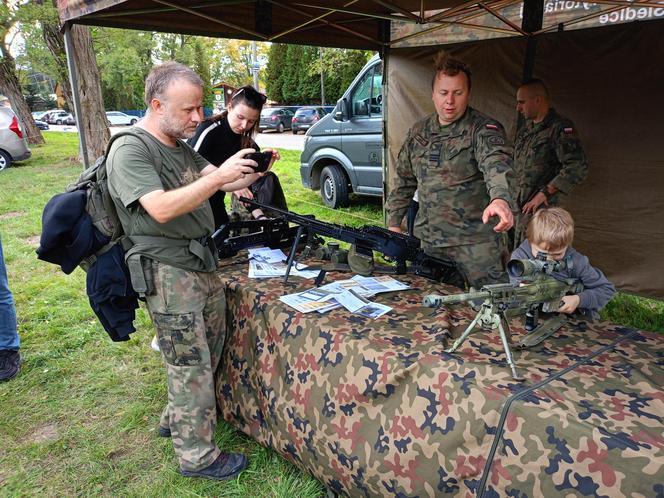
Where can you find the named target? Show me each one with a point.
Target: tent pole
(533, 17)
(71, 66)
(385, 33)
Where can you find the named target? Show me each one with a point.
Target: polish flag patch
(491, 127)
(568, 130)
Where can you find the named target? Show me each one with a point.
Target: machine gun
(274, 233)
(400, 247)
(542, 292)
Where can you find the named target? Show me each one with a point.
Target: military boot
(226, 466)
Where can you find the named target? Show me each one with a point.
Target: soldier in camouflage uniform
(548, 157)
(460, 162)
(162, 205)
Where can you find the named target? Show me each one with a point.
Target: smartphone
(262, 158)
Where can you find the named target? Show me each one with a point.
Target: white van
(343, 151)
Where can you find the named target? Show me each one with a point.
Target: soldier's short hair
(446, 64)
(163, 75)
(551, 226)
(537, 86)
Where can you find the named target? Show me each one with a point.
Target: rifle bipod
(487, 318)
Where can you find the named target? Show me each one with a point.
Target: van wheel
(334, 187)
(280, 128)
(5, 160)
(132, 122)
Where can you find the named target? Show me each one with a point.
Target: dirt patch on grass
(115, 454)
(11, 214)
(48, 432)
(33, 240)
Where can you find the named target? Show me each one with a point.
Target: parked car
(42, 125)
(306, 116)
(275, 118)
(38, 114)
(343, 151)
(70, 120)
(49, 116)
(120, 118)
(12, 144)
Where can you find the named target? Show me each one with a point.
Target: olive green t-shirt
(133, 172)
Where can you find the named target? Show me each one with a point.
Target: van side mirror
(341, 110)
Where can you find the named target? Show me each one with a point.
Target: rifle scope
(528, 268)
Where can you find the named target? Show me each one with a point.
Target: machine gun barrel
(392, 244)
(401, 247)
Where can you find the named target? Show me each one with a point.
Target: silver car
(12, 144)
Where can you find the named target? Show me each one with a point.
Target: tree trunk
(92, 121)
(10, 87)
(55, 43)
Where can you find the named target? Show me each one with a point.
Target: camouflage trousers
(482, 263)
(188, 310)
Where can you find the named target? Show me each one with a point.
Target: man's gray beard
(169, 129)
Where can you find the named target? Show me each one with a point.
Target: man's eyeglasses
(250, 93)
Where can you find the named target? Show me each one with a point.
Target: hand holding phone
(262, 158)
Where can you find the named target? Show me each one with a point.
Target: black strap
(508, 403)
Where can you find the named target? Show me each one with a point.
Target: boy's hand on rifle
(570, 303)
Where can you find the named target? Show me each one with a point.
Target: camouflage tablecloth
(377, 408)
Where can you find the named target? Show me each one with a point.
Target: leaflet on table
(383, 283)
(351, 293)
(360, 305)
(258, 269)
(267, 255)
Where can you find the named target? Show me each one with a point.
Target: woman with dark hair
(220, 137)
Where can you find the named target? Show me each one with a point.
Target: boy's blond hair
(551, 226)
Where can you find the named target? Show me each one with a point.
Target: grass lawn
(80, 419)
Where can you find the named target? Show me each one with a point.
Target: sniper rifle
(538, 291)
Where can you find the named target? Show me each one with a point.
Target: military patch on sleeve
(495, 140)
(491, 127)
(421, 140)
(568, 131)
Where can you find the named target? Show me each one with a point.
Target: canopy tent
(604, 79)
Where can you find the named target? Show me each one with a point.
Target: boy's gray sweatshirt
(597, 290)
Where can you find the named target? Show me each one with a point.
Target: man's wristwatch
(545, 192)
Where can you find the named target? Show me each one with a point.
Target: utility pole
(255, 67)
(322, 78)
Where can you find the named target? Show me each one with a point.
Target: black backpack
(80, 227)
(99, 204)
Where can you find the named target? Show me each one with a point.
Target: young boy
(551, 231)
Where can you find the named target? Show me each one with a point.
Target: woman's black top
(216, 142)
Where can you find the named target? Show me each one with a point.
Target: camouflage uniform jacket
(457, 170)
(548, 153)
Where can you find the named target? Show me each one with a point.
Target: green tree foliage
(201, 65)
(232, 62)
(37, 57)
(339, 67)
(274, 77)
(293, 74)
(125, 58)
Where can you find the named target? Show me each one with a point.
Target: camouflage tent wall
(608, 81)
